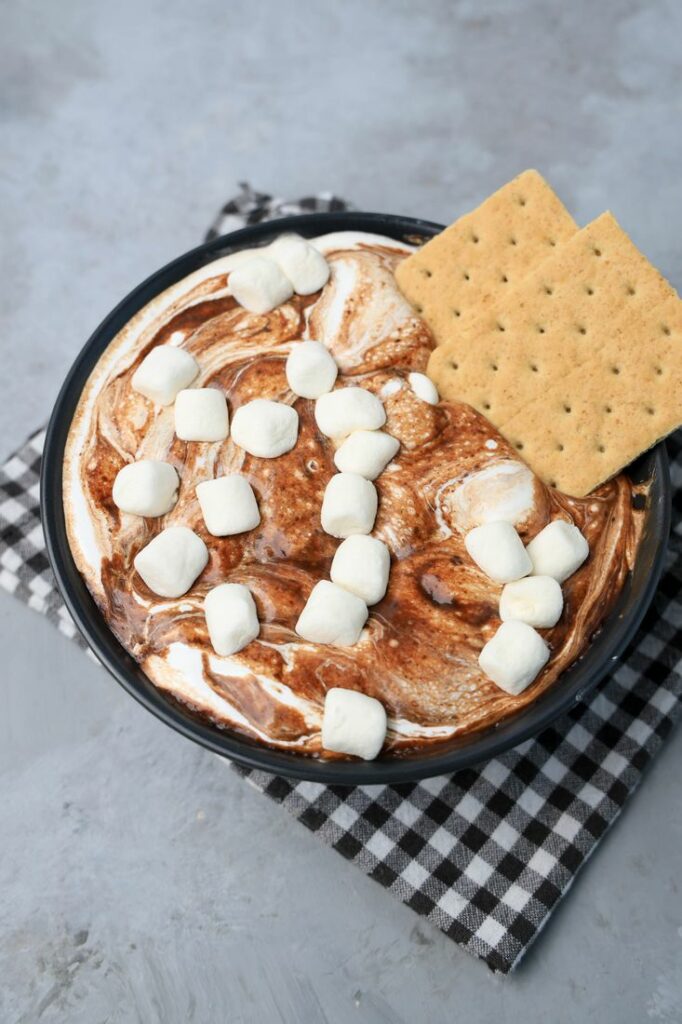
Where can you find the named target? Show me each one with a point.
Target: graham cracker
(470, 264)
(579, 366)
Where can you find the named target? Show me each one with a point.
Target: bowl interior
(459, 752)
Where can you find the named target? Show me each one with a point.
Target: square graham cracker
(579, 366)
(470, 264)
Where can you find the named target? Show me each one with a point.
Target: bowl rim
(585, 673)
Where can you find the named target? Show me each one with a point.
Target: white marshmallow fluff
(301, 263)
(146, 488)
(514, 657)
(311, 370)
(231, 618)
(424, 388)
(366, 452)
(332, 615)
(503, 491)
(265, 428)
(172, 561)
(498, 551)
(362, 565)
(260, 285)
(535, 600)
(164, 372)
(349, 505)
(342, 411)
(353, 723)
(228, 505)
(201, 415)
(558, 550)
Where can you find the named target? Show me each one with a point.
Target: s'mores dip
(295, 537)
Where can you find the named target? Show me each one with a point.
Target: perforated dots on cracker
(457, 274)
(579, 367)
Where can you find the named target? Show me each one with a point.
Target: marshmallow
(353, 723)
(514, 656)
(535, 600)
(163, 372)
(504, 490)
(332, 616)
(301, 262)
(341, 412)
(558, 550)
(171, 562)
(231, 618)
(366, 452)
(259, 285)
(349, 505)
(311, 370)
(265, 428)
(146, 488)
(392, 386)
(424, 388)
(201, 415)
(361, 565)
(498, 551)
(228, 505)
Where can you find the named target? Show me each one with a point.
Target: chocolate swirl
(419, 652)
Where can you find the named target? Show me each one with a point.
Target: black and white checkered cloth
(485, 854)
(251, 207)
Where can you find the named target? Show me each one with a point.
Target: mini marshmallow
(353, 723)
(366, 452)
(332, 615)
(228, 505)
(392, 386)
(146, 488)
(349, 505)
(265, 428)
(341, 412)
(171, 562)
(361, 565)
(535, 600)
(498, 551)
(201, 415)
(514, 656)
(260, 285)
(163, 372)
(424, 388)
(231, 618)
(558, 550)
(311, 369)
(302, 263)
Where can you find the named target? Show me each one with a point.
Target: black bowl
(617, 631)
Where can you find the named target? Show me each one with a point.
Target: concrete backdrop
(140, 879)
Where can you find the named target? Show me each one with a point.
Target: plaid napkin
(485, 854)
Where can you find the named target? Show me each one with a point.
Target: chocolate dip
(419, 652)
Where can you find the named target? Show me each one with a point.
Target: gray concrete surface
(140, 879)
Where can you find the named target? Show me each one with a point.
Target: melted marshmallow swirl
(419, 651)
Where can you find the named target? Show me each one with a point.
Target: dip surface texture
(419, 651)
